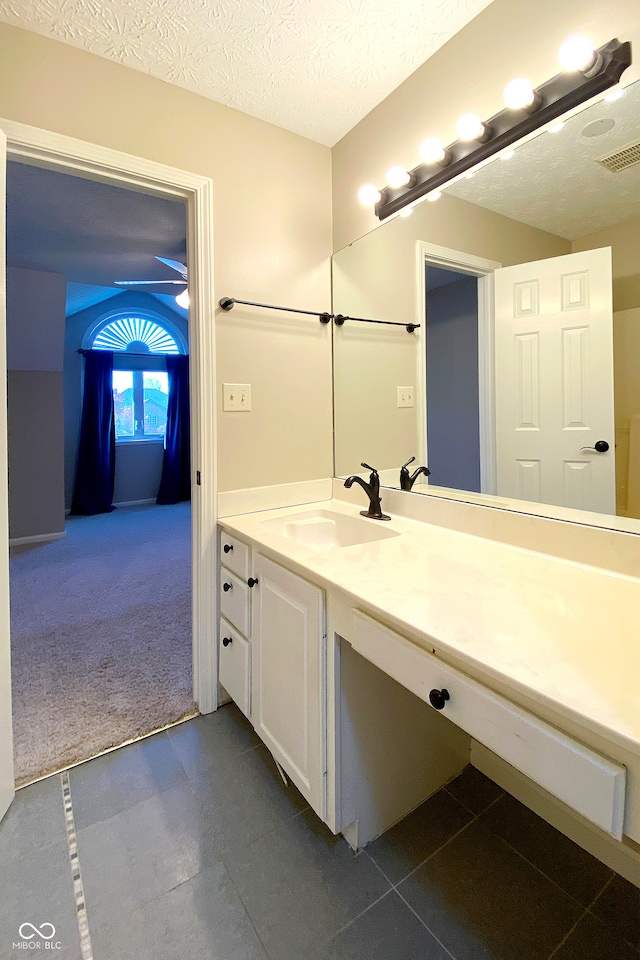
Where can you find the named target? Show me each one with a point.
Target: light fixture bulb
(183, 299)
(433, 196)
(577, 53)
(470, 127)
(368, 195)
(432, 151)
(397, 177)
(519, 94)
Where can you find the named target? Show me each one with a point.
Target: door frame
(466, 263)
(92, 161)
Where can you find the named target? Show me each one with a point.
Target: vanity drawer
(583, 779)
(235, 666)
(235, 601)
(234, 554)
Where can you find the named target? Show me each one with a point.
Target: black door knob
(601, 446)
(227, 586)
(226, 641)
(252, 581)
(228, 547)
(438, 698)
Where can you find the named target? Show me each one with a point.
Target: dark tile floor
(191, 848)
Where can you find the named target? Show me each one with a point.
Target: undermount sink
(324, 528)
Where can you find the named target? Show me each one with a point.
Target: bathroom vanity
(375, 660)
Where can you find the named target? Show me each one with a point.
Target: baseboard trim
(623, 857)
(40, 538)
(134, 503)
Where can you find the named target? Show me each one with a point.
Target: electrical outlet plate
(405, 396)
(236, 396)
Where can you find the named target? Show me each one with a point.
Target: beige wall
(624, 240)
(272, 235)
(508, 39)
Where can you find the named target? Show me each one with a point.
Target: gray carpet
(100, 635)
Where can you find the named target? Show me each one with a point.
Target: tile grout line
(86, 949)
(580, 918)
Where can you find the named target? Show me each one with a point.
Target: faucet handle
(367, 467)
(405, 465)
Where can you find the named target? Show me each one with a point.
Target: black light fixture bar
(228, 303)
(557, 96)
(339, 319)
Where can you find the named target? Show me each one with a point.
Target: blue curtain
(95, 473)
(175, 483)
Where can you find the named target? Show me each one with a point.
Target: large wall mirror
(521, 385)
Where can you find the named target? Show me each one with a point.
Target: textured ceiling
(315, 67)
(554, 182)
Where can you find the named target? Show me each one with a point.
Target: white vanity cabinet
(235, 621)
(288, 678)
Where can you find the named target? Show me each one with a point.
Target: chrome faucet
(372, 490)
(406, 480)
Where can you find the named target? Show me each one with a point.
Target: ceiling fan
(182, 299)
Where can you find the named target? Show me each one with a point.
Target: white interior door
(554, 381)
(6, 738)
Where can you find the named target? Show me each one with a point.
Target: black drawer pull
(227, 586)
(252, 581)
(228, 547)
(226, 641)
(438, 698)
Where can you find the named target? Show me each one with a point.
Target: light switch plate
(405, 396)
(236, 396)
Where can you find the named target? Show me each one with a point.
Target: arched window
(136, 335)
(140, 381)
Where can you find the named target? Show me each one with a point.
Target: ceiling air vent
(621, 159)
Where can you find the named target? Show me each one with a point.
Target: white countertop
(563, 633)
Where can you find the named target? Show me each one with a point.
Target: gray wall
(35, 338)
(138, 465)
(453, 439)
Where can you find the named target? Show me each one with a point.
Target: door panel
(6, 736)
(287, 675)
(554, 381)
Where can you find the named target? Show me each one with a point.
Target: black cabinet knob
(226, 641)
(252, 581)
(228, 547)
(227, 586)
(438, 698)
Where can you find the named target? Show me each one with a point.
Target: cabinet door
(288, 677)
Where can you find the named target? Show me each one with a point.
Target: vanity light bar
(554, 98)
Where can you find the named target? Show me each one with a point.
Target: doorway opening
(456, 396)
(94, 163)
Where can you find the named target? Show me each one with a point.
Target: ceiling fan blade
(153, 283)
(175, 265)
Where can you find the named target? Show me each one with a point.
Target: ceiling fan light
(183, 299)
